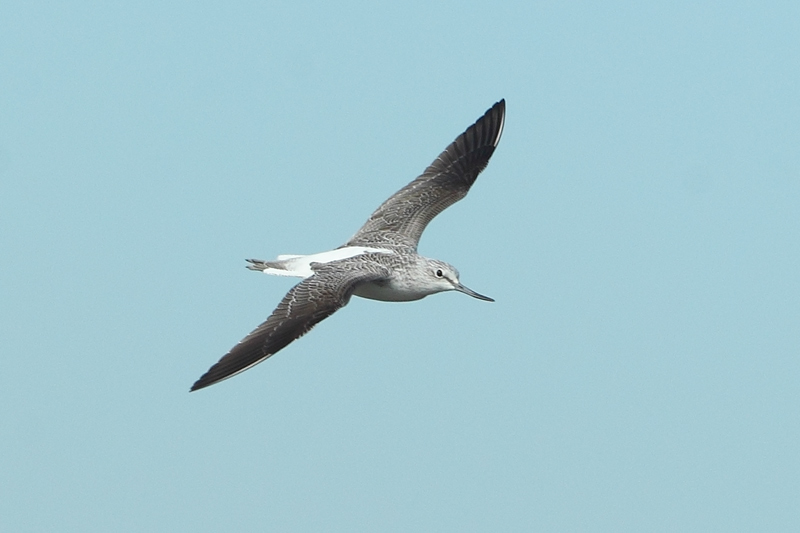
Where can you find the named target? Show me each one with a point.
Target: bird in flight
(379, 262)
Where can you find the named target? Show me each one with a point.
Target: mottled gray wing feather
(402, 218)
(305, 305)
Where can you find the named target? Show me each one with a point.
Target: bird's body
(404, 272)
(379, 262)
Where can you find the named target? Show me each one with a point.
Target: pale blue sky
(639, 227)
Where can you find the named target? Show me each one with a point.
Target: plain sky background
(638, 225)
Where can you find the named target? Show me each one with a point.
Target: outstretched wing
(304, 306)
(402, 218)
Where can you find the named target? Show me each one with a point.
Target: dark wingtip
(482, 137)
(218, 372)
(215, 374)
(199, 385)
(470, 152)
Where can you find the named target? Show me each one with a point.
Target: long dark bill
(472, 293)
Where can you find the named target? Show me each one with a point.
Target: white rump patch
(299, 266)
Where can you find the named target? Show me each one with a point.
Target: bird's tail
(283, 266)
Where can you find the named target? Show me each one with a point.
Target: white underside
(389, 292)
(299, 266)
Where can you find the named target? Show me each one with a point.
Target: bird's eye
(439, 273)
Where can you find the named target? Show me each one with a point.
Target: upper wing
(306, 304)
(402, 218)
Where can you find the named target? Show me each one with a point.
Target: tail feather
(257, 264)
(285, 267)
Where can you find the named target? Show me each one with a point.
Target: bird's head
(444, 277)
